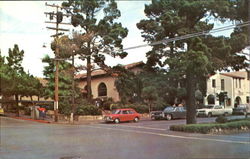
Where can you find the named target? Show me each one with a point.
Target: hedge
(140, 108)
(210, 127)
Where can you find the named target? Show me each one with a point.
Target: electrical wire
(187, 36)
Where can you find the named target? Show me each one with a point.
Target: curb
(40, 121)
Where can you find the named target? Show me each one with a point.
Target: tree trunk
(191, 108)
(17, 107)
(89, 91)
(33, 108)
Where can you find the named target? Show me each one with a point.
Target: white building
(236, 86)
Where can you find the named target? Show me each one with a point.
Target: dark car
(169, 113)
(156, 115)
(174, 112)
(240, 109)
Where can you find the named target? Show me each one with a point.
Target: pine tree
(103, 36)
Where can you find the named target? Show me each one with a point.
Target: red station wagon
(120, 115)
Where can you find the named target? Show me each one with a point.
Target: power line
(187, 36)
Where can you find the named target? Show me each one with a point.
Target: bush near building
(231, 125)
(139, 108)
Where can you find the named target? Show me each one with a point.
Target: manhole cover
(71, 157)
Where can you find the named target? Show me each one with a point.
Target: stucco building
(235, 84)
(103, 84)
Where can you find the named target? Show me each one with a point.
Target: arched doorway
(237, 101)
(211, 99)
(102, 89)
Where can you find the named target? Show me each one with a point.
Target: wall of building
(235, 87)
(108, 81)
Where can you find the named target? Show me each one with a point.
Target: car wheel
(153, 118)
(168, 116)
(117, 121)
(226, 114)
(136, 119)
(209, 115)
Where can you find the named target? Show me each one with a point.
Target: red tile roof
(102, 72)
(234, 74)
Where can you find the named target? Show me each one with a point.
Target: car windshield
(169, 109)
(116, 111)
(208, 106)
(241, 106)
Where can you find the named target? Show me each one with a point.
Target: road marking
(240, 137)
(173, 136)
(140, 127)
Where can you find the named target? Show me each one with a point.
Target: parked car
(214, 110)
(174, 112)
(240, 109)
(156, 115)
(122, 115)
(1, 111)
(169, 113)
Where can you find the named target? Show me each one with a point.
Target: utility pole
(73, 88)
(59, 17)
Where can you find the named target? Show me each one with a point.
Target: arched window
(211, 99)
(102, 89)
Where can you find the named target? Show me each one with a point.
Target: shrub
(221, 119)
(88, 110)
(27, 111)
(207, 127)
(139, 108)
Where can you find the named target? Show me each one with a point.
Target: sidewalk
(49, 120)
(27, 117)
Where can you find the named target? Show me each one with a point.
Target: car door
(182, 112)
(217, 110)
(132, 115)
(124, 115)
(177, 113)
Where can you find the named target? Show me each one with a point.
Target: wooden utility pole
(56, 36)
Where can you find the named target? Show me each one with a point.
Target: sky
(23, 23)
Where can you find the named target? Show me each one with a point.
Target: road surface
(144, 140)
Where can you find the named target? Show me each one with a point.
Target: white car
(214, 110)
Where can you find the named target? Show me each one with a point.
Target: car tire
(117, 121)
(209, 115)
(136, 119)
(169, 117)
(225, 114)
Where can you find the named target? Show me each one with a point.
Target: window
(248, 99)
(213, 83)
(102, 89)
(131, 112)
(217, 107)
(239, 83)
(222, 84)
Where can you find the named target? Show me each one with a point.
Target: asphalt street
(147, 139)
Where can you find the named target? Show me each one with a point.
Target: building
(8, 101)
(103, 84)
(234, 85)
